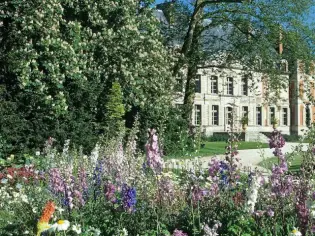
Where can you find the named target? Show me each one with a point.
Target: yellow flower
(61, 225)
(41, 227)
(295, 232)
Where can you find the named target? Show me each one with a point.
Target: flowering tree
(60, 58)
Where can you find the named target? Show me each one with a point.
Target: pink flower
(179, 233)
(154, 159)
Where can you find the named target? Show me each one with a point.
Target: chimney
(280, 42)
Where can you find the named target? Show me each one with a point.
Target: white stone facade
(221, 90)
(302, 94)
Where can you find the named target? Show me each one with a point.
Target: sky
(309, 19)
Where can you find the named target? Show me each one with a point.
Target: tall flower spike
(154, 159)
(43, 223)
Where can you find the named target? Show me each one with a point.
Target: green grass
(295, 161)
(218, 148)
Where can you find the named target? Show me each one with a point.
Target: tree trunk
(192, 68)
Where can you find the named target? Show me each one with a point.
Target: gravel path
(248, 158)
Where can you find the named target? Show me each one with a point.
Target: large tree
(59, 59)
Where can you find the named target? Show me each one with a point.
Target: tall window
(258, 116)
(229, 115)
(271, 114)
(215, 115)
(244, 111)
(285, 116)
(230, 86)
(244, 86)
(214, 84)
(197, 114)
(198, 84)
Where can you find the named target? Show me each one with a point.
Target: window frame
(244, 86)
(215, 115)
(245, 111)
(285, 116)
(271, 114)
(198, 115)
(230, 86)
(259, 116)
(214, 84)
(229, 115)
(198, 84)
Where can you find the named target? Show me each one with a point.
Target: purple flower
(179, 233)
(259, 213)
(276, 140)
(129, 198)
(97, 178)
(270, 212)
(197, 194)
(154, 159)
(167, 190)
(110, 190)
(301, 207)
(56, 181)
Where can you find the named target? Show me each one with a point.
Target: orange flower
(43, 223)
(48, 211)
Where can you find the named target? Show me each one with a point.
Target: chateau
(221, 92)
(225, 91)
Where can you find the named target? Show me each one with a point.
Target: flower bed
(115, 191)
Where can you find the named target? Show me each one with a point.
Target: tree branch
(199, 5)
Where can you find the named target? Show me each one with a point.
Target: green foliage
(244, 120)
(274, 120)
(58, 60)
(115, 110)
(221, 137)
(177, 140)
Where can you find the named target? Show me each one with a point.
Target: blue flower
(129, 198)
(97, 178)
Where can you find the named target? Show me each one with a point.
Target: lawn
(294, 166)
(218, 148)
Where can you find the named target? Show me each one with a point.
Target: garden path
(249, 159)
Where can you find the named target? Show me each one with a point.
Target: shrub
(221, 137)
(287, 137)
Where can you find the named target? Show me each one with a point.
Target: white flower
(37, 153)
(18, 186)
(96, 232)
(61, 225)
(295, 232)
(76, 228)
(125, 232)
(60, 210)
(34, 209)
(24, 198)
(9, 176)
(312, 214)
